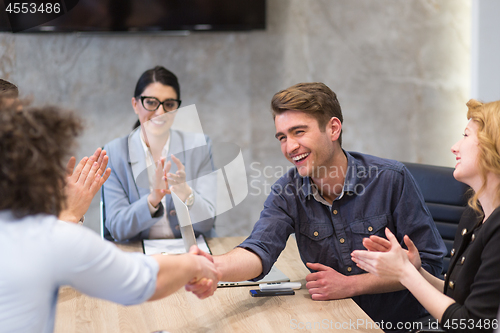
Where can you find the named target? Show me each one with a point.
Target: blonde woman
(468, 299)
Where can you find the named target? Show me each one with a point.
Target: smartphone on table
(279, 292)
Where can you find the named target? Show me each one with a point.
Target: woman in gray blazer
(136, 197)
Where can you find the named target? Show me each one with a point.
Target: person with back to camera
(468, 299)
(80, 188)
(137, 209)
(8, 92)
(41, 253)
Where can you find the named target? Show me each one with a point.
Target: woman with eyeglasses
(137, 196)
(468, 299)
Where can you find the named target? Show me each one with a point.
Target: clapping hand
(160, 186)
(379, 244)
(177, 180)
(384, 264)
(83, 183)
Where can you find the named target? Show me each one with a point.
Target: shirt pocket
(316, 231)
(366, 227)
(316, 243)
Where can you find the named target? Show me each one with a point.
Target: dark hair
(33, 144)
(158, 74)
(8, 89)
(314, 98)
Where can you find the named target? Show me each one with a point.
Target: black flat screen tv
(143, 16)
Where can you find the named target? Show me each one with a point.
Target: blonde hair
(487, 117)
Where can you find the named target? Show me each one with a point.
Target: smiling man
(331, 200)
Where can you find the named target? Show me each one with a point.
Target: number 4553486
(33, 8)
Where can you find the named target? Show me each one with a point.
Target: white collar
(147, 151)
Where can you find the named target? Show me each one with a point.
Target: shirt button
(316, 234)
(342, 241)
(349, 269)
(452, 253)
(172, 212)
(370, 229)
(451, 284)
(444, 276)
(462, 260)
(335, 212)
(464, 231)
(473, 237)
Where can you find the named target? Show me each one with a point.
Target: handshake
(207, 276)
(196, 270)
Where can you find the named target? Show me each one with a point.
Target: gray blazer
(125, 193)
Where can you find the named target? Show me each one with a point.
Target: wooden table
(231, 309)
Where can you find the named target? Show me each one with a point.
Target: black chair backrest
(105, 234)
(445, 197)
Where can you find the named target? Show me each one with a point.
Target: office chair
(105, 234)
(445, 197)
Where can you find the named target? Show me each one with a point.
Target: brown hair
(315, 99)
(33, 144)
(487, 117)
(8, 89)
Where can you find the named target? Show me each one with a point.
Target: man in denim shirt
(331, 200)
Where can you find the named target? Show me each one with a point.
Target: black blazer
(473, 278)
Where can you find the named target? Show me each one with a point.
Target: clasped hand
(327, 283)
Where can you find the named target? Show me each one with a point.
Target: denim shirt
(377, 193)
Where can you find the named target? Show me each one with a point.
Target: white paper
(171, 246)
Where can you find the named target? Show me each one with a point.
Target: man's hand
(327, 283)
(202, 287)
(196, 250)
(83, 183)
(191, 268)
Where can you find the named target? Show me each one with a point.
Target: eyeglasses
(153, 103)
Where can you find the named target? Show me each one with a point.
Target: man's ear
(334, 128)
(135, 105)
